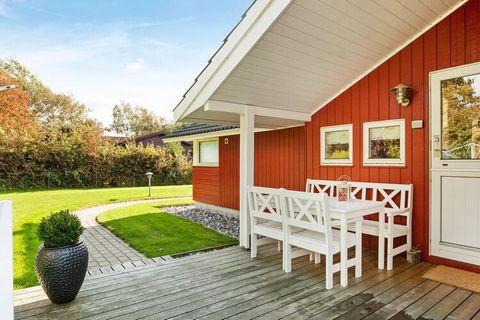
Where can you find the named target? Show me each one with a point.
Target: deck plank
(167, 279)
(239, 305)
(370, 300)
(425, 303)
(467, 309)
(447, 305)
(229, 284)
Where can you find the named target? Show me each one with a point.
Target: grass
(154, 232)
(30, 206)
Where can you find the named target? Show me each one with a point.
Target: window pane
(208, 152)
(384, 142)
(461, 118)
(337, 144)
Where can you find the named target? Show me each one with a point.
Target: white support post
(6, 261)
(247, 128)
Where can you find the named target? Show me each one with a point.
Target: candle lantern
(343, 188)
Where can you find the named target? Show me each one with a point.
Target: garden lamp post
(149, 176)
(5, 88)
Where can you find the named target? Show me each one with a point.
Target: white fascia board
(209, 135)
(257, 21)
(222, 106)
(206, 135)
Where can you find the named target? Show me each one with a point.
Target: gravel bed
(207, 218)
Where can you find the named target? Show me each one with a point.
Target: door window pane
(461, 118)
(208, 152)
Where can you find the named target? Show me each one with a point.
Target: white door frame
(440, 169)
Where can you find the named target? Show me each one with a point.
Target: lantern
(343, 188)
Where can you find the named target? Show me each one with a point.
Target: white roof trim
(221, 106)
(205, 135)
(257, 21)
(259, 18)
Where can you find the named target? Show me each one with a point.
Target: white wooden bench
(308, 226)
(398, 200)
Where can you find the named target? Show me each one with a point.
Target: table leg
(358, 249)
(381, 239)
(343, 253)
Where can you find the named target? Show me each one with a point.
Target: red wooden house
(303, 89)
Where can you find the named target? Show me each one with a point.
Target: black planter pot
(61, 271)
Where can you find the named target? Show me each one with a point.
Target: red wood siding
(206, 184)
(280, 158)
(285, 158)
(452, 42)
(279, 162)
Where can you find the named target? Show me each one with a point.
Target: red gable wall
(284, 158)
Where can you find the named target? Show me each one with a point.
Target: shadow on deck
(229, 284)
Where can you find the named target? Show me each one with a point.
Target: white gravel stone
(213, 220)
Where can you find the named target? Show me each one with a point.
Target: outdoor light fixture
(5, 88)
(149, 176)
(403, 93)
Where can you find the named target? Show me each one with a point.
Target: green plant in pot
(62, 260)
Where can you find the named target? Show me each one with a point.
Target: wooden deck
(228, 284)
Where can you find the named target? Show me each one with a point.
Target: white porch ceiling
(313, 51)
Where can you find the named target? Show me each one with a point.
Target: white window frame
(366, 143)
(196, 153)
(336, 162)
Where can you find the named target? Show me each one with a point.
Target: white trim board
(261, 17)
(6, 262)
(257, 21)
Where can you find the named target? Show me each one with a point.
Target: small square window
(208, 152)
(336, 145)
(384, 143)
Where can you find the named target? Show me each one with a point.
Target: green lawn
(155, 233)
(29, 207)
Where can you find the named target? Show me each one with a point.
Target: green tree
(129, 120)
(461, 116)
(52, 109)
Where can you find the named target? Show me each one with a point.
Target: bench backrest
(265, 203)
(395, 196)
(307, 210)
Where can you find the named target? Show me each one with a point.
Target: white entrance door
(455, 163)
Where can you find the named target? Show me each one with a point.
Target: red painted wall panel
(206, 185)
(454, 41)
(285, 158)
(279, 162)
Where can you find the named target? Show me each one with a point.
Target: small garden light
(149, 176)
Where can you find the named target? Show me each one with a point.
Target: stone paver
(104, 248)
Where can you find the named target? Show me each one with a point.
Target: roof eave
(257, 20)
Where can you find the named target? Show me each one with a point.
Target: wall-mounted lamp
(403, 93)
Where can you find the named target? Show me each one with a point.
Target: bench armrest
(393, 213)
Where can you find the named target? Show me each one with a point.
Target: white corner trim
(221, 106)
(257, 21)
(6, 261)
(394, 52)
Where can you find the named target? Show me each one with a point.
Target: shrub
(59, 229)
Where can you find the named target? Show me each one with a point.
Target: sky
(146, 52)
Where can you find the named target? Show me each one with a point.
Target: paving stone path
(106, 251)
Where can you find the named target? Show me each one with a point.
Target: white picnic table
(351, 211)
